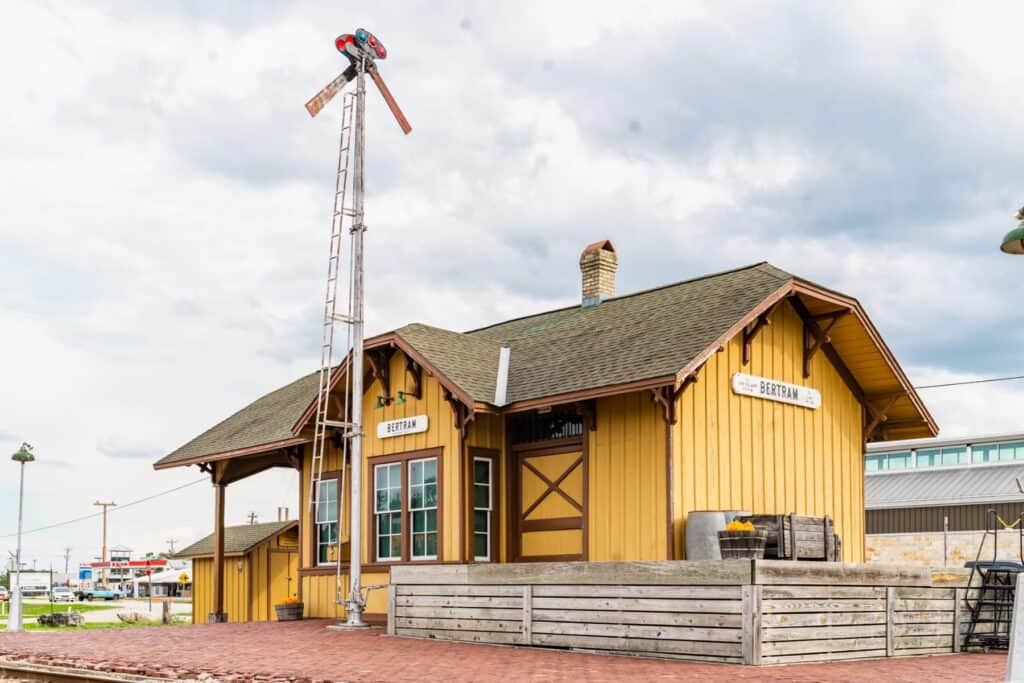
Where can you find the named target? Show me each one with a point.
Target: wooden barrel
(742, 545)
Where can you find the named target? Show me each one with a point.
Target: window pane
(382, 501)
(1011, 451)
(430, 495)
(430, 471)
(431, 520)
(873, 463)
(395, 500)
(481, 496)
(482, 471)
(418, 545)
(986, 453)
(419, 520)
(928, 458)
(416, 499)
(480, 548)
(954, 456)
(384, 546)
(480, 520)
(432, 545)
(898, 461)
(385, 524)
(396, 522)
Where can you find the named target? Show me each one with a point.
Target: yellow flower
(737, 525)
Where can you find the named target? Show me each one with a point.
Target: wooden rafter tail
(380, 367)
(878, 415)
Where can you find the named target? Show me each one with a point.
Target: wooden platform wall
(764, 612)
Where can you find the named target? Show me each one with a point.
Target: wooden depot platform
(737, 611)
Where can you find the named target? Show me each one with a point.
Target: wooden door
(550, 505)
(281, 569)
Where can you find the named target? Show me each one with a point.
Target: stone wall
(936, 549)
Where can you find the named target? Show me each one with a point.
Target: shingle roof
(237, 539)
(268, 419)
(628, 338)
(639, 336)
(955, 486)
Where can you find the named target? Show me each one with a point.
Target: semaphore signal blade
(320, 100)
(390, 100)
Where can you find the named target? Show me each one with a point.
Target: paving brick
(305, 651)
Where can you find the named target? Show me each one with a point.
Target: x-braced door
(550, 504)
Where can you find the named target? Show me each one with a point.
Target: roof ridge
(698, 278)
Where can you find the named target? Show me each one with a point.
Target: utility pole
(103, 555)
(252, 518)
(170, 543)
(67, 565)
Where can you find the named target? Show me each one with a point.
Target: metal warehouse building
(928, 501)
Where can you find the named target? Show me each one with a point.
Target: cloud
(166, 210)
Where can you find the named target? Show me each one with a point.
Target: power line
(970, 381)
(97, 514)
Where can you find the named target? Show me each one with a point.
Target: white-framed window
(387, 509)
(327, 522)
(423, 508)
(483, 507)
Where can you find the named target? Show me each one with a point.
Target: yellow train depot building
(586, 433)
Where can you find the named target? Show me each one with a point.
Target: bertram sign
(402, 426)
(773, 390)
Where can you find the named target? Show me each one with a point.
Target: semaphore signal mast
(362, 50)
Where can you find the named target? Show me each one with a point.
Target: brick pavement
(305, 651)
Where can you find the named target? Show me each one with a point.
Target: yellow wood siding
(739, 452)
(488, 431)
(318, 594)
(627, 480)
(236, 589)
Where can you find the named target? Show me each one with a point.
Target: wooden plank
(457, 590)
(804, 592)
(911, 642)
(638, 645)
(639, 604)
(392, 610)
(527, 624)
(747, 632)
(925, 605)
(468, 636)
(890, 609)
(953, 577)
(838, 573)
(653, 618)
(666, 572)
(443, 601)
(922, 651)
(717, 635)
(457, 612)
(756, 628)
(824, 605)
(775, 635)
(905, 593)
(430, 574)
(597, 591)
(939, 617)
(504, 626)
(829, 645)
(823, 657)
(945, 629)
(822, 619)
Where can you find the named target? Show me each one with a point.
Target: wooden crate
(813, 538)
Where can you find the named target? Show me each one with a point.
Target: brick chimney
(598, 264)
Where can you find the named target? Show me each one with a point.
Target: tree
(5, 579)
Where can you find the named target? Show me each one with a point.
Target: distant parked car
(4, 594)
(62, 594)
(100, 594)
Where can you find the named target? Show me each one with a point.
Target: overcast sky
(165, 203)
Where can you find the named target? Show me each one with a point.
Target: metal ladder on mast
(326, 380)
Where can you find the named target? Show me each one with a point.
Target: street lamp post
(24, 455)
(1013, 242)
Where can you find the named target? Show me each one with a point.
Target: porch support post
(218, 616)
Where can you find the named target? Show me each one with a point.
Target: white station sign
(773, 390)
(402, 426)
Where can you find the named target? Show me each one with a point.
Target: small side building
(260, 570)
(930, 501)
